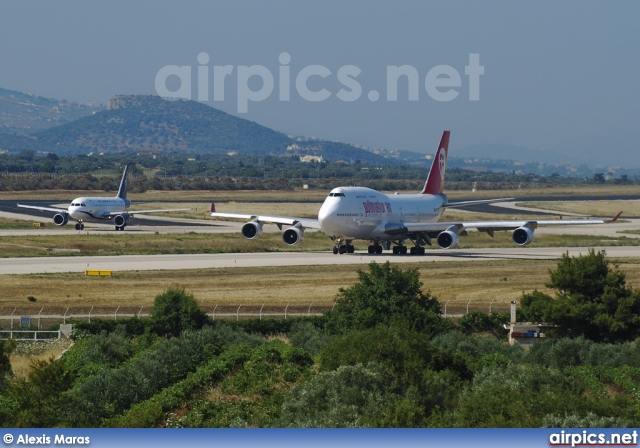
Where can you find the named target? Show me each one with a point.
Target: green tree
(383, 295)
(6, 347)
(347, 397)
(479, 322)
(175, 310)
(40, 394)
(592, 300)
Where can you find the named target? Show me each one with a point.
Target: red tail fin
(435, 181)
(615, 218)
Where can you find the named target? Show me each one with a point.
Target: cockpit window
(335, 195)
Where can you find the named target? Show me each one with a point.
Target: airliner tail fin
(435, 180)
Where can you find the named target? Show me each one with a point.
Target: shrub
(175, 310)
(349, 396)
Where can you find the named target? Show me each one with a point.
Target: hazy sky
(555, 72)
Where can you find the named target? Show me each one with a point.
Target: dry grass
(457, 282)
(28, 352)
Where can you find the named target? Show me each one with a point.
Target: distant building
(308, 159)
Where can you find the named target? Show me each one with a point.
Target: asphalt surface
(204, 261)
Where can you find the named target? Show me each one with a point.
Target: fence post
(39, 317)
(115, 316)
(64, 318)
(214, 311)
(492, 300)
(285, 310)
(238, 313)
(140, 311)
(14, 310)
(445, 308)
(309, 311)
(468, 306)
(261, 311)
(90, 313)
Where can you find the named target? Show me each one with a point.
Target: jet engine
(120, 220)
(60, 219)
(293, 236)
(523, 236)
(252, 230)
(448, 239)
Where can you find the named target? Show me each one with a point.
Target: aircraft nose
(325, 213)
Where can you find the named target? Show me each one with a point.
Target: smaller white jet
(98, 209)
(359, 213)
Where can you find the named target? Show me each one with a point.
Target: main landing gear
(401, 249)
(375, 249)
(79, 225)
(120, 227)
(340, 248)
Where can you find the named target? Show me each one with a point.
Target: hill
(23, 113)
(150, 123)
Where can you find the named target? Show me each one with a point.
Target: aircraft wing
(140, 212)
(280, 220)
(44, 209)
(490, 226)
(476, 202)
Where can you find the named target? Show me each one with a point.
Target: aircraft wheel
(350, 249)
(414, 250)
(421, 251)
(81, 226)
(342, 249)
(378, 249)
(370, 249)
(77, 226)
(403, 250)
(335, 250)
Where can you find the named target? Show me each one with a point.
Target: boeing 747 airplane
(98, 209)
(359, 213)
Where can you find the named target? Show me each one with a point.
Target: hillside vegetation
(382, 357)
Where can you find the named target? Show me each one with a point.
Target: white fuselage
(364, 213)
(97, 208)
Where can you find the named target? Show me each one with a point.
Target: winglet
(435, 180)
(615, 218)
(213, 207)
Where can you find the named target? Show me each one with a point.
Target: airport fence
(38, 318)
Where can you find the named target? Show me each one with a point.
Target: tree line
(176, 171)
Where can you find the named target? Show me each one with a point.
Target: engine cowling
(120, 220)
(448, 239)
(252, 230)
(60, 219)
(522, 236)
(292, 236)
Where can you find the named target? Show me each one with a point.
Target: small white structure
(523, 333)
